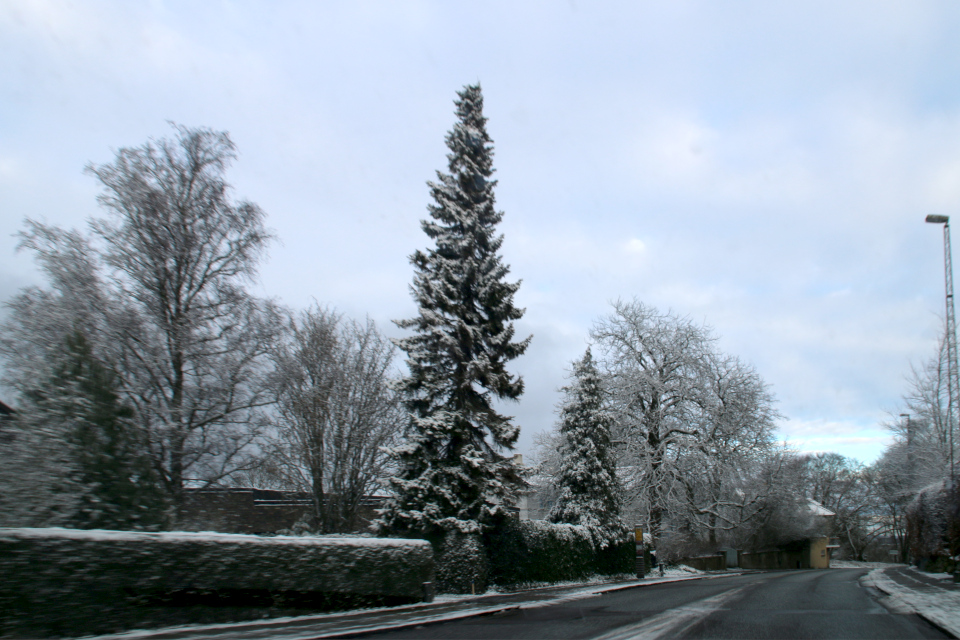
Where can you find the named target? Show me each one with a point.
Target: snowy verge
(941, 608)
(103, 535)
(857, 564)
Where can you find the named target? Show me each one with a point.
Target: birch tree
(157, 287)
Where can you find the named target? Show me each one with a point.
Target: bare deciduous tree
(653, 364)
(734, 437)
(336, 414)
(694, 424)
(926, 435)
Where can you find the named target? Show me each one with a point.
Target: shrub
(72, 582)
(933, 525)
(462, 565)
(618, 558)
(528, 551)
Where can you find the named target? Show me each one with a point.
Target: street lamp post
(911, 463)
(953, 380)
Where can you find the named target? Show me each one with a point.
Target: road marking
(672, 622)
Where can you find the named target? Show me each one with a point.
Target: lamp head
(935, 219)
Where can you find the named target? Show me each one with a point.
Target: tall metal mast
(953, 377)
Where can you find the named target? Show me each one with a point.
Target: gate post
(638, 538)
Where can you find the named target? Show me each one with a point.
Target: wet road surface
(790, 604)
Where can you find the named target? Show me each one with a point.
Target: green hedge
(69, 582)
(621, 558)
(462, 565)
(533, 551)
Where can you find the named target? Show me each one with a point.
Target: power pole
(953, 378)
(911, 460)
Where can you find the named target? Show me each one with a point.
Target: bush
(529, 551)
(933, 525)
(462, 565)
(619, 558)
(72, 582)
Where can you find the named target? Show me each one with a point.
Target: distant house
(819, 511)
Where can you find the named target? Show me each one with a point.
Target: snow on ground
(680, 570)
(592, 582)
(941, 607)
(856, 564)
(207, 536)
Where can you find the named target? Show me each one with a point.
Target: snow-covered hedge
(462, 565)
(529, 551)
(65, 581)
(933, 526)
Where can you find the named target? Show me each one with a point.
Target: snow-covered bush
(462, 565)
(68, 582)
(528, 551)
(933, 526)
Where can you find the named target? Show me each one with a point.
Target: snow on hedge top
(202, 536)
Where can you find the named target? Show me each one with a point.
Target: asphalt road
(789, 604)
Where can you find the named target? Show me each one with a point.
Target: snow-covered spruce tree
(122, 490)
(589, 489)
(74, 456)
(452, 474)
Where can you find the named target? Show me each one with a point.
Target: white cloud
(864, 442)
(635, 246)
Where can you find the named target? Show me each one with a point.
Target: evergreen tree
(451, 470)
(589, 489)
(120, 489)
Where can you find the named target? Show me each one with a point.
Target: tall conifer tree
(452, 471)
(589, 489)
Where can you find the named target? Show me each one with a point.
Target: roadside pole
(638, 537)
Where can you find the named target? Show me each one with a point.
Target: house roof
(818, 509)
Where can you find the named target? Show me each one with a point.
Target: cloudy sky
(761, 167)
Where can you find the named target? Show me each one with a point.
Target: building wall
(706, 563)
(819, 553)
(254, 511)
(803, 554)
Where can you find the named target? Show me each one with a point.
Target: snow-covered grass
(941, 607)
(856, 564)
(679, 570)
(203, 536)
(592, 580)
